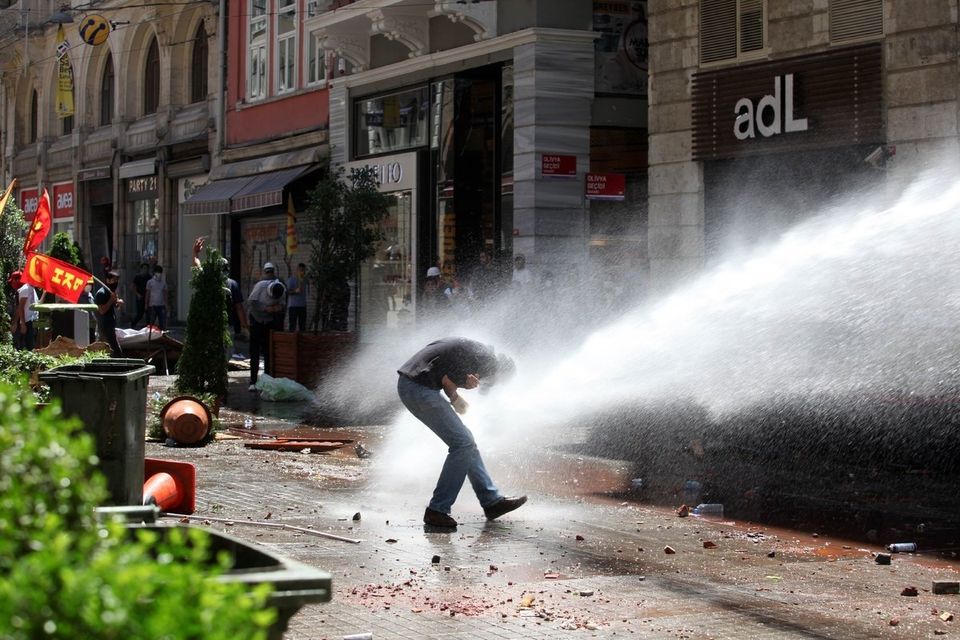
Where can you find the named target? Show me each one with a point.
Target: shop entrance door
(386, 279)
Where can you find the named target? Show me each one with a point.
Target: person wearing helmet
(266, 305)
(450, 364)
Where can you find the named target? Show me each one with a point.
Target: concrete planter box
(294, 584)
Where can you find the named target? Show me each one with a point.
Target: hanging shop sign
(558, 166)
(63, 200)
(606, 186)
(817, 101)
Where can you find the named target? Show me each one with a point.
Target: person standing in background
(140, 287)
(297, 290)
(157, 299)
(266, 304)
(24, 331)
(107, 303)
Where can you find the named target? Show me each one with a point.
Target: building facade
(485, 120)
(274, 140)
(501, 128)
(762, 112)
(112, 127)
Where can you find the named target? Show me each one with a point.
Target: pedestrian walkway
(576, 561)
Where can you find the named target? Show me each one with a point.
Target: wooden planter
(308, 357)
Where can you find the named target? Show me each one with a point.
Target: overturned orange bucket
(186, 419)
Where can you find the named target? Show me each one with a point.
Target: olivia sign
(771, 116)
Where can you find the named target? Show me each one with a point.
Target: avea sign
(771, 116)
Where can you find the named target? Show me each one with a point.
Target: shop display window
(392, 122)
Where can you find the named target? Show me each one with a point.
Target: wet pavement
(576, 561)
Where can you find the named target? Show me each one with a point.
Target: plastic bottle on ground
(902, 547)
(709, 509)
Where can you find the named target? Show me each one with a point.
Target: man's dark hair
(158, 269)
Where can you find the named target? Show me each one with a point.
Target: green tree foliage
(202, 366)
(346, 212)
(63, 576)
(13, 230)
(64, 249)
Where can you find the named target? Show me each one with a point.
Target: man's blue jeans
(463, 457)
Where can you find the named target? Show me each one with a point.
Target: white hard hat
(433, 272)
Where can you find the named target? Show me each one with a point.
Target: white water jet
(860, 300)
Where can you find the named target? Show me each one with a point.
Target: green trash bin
(109, 395)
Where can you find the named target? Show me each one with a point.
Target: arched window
(106, 93)
(34, 117)
(198, 66)
(151, 80)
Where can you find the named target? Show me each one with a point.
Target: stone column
(553, 95)
(921, 89)
(676, 219)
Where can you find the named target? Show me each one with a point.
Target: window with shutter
(731, 28)
(750, 16)
(855, 19)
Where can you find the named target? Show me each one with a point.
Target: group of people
(151, 291)
(271, 301)
(442, 288)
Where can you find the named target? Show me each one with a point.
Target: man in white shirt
(157, 299)
(24, 331)
(266, 304)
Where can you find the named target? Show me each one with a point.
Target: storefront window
(65, 226)
(146, 224)
(386, 296)
(392, 123)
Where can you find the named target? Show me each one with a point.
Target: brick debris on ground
(573, 562)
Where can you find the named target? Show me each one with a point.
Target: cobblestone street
(574, 561)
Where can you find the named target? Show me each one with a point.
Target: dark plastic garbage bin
(109, 395)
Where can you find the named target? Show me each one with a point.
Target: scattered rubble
(669, 550)
(945, 587)
(910, 591)
(882, 558)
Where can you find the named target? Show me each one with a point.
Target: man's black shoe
(502, 506)
(437, 519)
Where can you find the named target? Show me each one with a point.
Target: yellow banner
(65, 77)
(6, 195)
(291, 227)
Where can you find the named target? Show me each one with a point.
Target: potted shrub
(346, 213)
(202, 365)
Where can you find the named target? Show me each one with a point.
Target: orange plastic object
(186, 419)
(172, 486)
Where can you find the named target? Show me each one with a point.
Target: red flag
(40, 226)
(58, 277)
